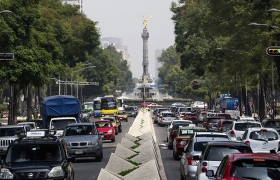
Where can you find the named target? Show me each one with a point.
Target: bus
(88, 106)
(231, 103)
(120, 104)
(109, 105)
(97, 107)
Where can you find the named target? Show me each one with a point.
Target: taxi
(182, 137)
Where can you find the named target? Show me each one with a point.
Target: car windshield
(244, 126)
(263, 135)
(10, 131)
(129, 109)
(104, 124)
(168, 115)
(79, 130)
(213, 120)
(256, 169)
(272, 124)
(177, 125)
(110, 119)
(33, 152)
(219, 152)
(200, 146)
(30, 124)
(61, 123)
(227, 123)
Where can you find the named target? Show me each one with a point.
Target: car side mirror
(239, 139)
(210, 173)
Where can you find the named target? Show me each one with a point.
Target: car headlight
(56, 172)
(93, 143)
(6, 174)
(183, 143)
(68, 144)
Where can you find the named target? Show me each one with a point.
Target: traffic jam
(213, 145)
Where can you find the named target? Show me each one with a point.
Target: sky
(123, 19)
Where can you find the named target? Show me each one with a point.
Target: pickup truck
(122, 115)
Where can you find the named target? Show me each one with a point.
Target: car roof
(250, 122)
(175, 121)
(191, 127)
(231, 143)
(236, 156)
(260, 128)
(207, 133)
(13, 126)
(83, 123)
(102, 121)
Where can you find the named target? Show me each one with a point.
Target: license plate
(4, 149)
(79, 151)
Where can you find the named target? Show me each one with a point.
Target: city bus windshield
(108, 103)
(96, 105)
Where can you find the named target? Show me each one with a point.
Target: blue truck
(60, 110)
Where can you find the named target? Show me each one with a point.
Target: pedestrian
(224, 106)
(271, 113)
(275, 112)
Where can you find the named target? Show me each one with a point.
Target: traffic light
(273, 51)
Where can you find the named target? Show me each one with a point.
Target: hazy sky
(123, 19)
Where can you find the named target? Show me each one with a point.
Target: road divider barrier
(137, 156)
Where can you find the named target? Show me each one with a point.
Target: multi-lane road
(88, 169)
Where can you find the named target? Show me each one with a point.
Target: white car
(238, 128)
(199, 104)
(261, 140)
(245, 118)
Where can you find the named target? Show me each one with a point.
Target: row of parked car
(224, 148)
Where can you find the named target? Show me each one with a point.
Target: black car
(272, 124)
(38, 155)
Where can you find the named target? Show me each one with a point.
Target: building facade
(118, 44)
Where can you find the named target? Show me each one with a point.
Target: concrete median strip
(137, 156)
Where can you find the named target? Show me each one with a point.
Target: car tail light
(203, 169)
(178, 141)
(204, 164)
(232, 133)
(247, 142)
(207, 123)
(190, 160)
(174, 133)
(162, 119)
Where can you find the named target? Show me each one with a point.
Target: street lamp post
(272, 69)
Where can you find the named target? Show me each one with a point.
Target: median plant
(123, 173)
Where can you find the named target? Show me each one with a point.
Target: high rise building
(118, 44)
(157, 64)
(75, 2)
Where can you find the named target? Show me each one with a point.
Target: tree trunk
(29, 102)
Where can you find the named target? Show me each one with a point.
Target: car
(80, 144)
(10, 133)
(211, 122)
(115, 121)
(130, 110)
(172, 130)
(38, 122)
(199, 104)
(107, 128)
(31, 124)
(223, 125)
(157, 113)
(38, 154)
(202, 116)
(182, 137)
(238, 128)
(154, 105)
(214, 153)
(122, 115)
(246, 118)
(194, 148)
(272, 124)
(191, 116)
(247, 166)
(261, 140)
(165, 118)
(145, 104)
(225, 115)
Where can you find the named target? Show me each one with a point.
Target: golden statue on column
(145, 22)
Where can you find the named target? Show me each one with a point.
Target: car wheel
(116, 132)
(120, 130)
(175, 156)
(113, 140)
(170, 146)
(98, 158)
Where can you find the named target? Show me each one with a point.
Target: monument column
(145, 63)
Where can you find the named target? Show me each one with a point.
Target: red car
(243, 166)
(107, 128)
(192, 117)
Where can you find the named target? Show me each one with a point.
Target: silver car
(194, 148)
(165, 118)
(83, 140)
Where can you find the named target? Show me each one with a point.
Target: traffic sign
(6, 56)
(273, 51)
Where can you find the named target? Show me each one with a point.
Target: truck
(60, 110)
